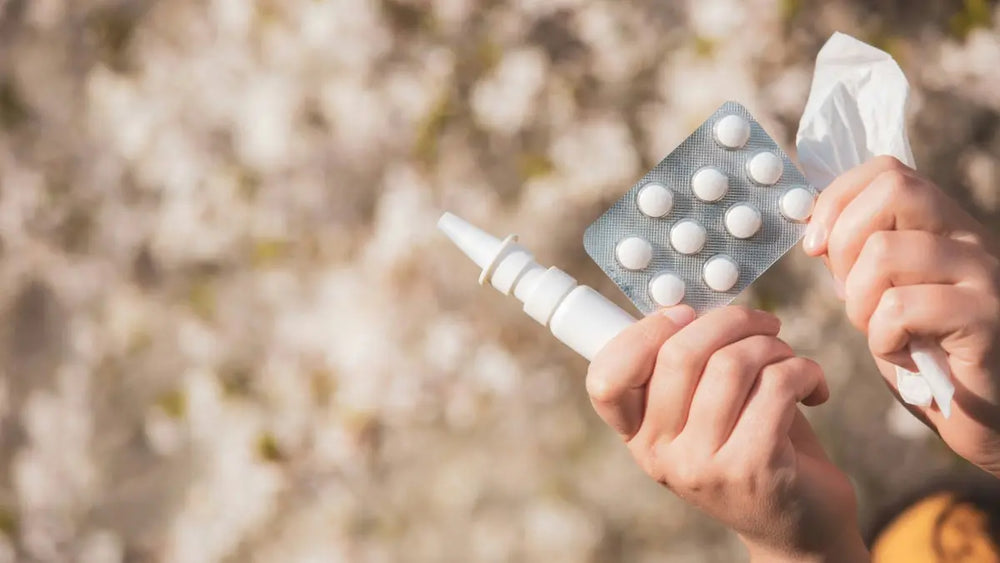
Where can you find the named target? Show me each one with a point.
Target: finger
(961, 318)
(894, 200)
(770, 410)
(617, 377)
(899, 258)
(682, 359)
(835, 197)
(725, 384)
(804, 438)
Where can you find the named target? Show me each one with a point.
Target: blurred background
(230, 331)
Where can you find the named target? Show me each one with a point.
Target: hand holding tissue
(919, 275)
(855, 112)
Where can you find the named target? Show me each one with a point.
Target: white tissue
(856, 111)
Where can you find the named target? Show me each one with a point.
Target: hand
(911, 264)
(708, 409)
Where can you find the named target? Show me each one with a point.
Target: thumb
(617, 377)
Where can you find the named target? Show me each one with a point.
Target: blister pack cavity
(706, 221)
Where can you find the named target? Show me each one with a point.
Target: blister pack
(706, 221)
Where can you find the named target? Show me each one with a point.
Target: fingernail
(814, 238)
(680, 314)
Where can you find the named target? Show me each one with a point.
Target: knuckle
(779, 379)
(654, 459)
(677, 358)
(896, 184)
(889, 162)
(891, 304)
(878, 248)
(690, 475)
(808, 365)
(727, 362)
(805, 373)
(684, 468)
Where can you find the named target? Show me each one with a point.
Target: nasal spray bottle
(578, 316)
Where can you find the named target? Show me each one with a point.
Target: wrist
(849, 548)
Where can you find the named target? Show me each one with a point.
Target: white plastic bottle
(578, 316)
